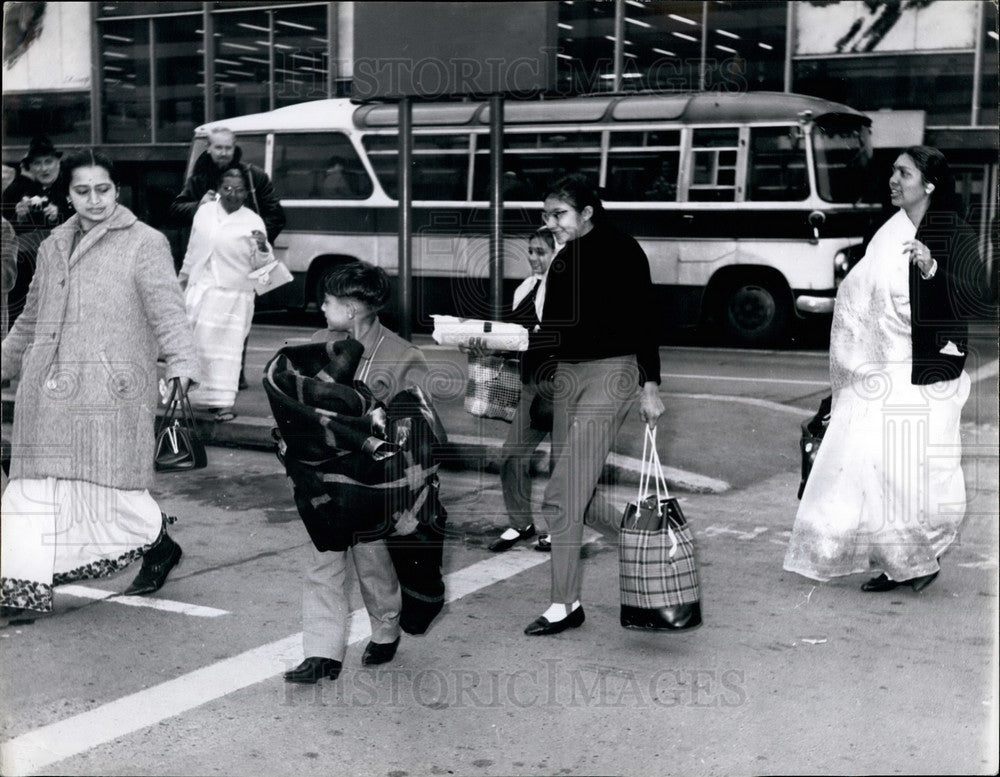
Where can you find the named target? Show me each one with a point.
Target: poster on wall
(43, 49)
(881, 26)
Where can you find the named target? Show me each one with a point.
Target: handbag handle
(177, 404)
(651, 467)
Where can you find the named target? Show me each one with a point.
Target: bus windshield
(843, 153)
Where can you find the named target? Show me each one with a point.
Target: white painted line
(166, 605)
(690, 481)
(42, 747)
(679, 478)
(736, 379)
(986, 371)
(762, 403)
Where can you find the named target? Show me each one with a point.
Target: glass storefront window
(63, 116)
(180, 103)
(125, 72)
(143, 9)
(745, 49)
(990, 67)
(940, 84)
(300, 55)
(585, 56)
(662, 46)
(241, 52)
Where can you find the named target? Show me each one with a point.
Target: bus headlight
(844, 260)
(841, 264)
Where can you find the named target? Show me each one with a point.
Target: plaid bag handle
(652, 468)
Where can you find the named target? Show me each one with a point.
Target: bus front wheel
(755, 312)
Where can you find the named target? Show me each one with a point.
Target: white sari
(886, 492)
(220, 297)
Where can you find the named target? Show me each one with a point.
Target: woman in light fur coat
(103, 305)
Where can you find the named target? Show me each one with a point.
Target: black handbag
(178, 446)
(658, 571)
(812, 435)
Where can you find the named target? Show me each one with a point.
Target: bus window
(637, 170)
(777, 164)
(440, 165)
(532, 161)
(713, 161)
(843, 153)
(252, 149)
(318, 166)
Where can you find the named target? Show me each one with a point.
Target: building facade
(136, 78)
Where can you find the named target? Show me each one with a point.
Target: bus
(750, 206)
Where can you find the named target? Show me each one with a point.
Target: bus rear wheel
(755, 312)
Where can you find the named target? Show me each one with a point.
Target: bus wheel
(755, 312)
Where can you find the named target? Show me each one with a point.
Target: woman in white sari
(228, 241)
(886, 493)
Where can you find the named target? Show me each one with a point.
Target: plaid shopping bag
(658, 571)
(494, 387)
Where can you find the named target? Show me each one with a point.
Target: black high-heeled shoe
(881, 583)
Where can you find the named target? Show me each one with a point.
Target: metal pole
(96, 80)
(977, 65)
(789, 43)
(619, 44)
(208, 61)
(703, 66)
(332, 44)
(496, 206)
(405, 217)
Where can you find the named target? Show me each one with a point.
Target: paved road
(785, 676)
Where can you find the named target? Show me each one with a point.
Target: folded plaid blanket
(361, 470)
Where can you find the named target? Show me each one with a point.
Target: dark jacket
(22, 186)
(599, 303)
(526, 315)
(206, 176)
(940, 307)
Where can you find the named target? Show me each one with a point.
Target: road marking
(736, 379)
(986, 371)
(167, 605)
(679, 478)
(762, 403)
(55, 742)
(715, 531)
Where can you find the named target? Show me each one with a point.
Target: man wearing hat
(35, 202)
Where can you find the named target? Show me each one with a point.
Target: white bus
(744, 203)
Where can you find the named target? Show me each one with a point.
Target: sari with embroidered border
(886, 492)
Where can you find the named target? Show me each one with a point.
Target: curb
(462, 454)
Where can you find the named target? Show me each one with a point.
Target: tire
(755, 312)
